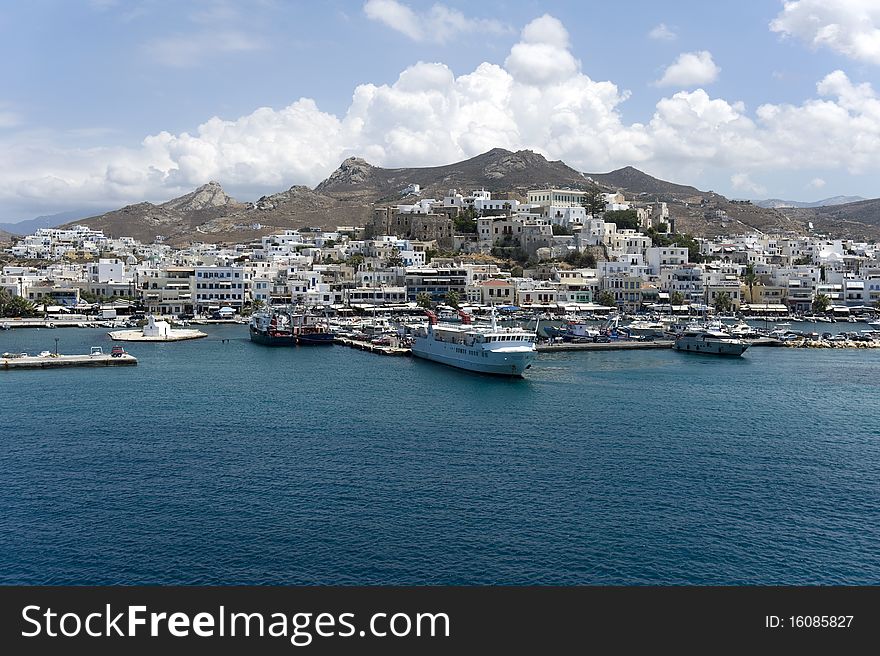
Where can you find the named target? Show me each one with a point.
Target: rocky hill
(777, 204)
(636, 183)
(349, 194)
(497, 170)
(860, 220)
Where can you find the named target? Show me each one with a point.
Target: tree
(466, 221)
(15, 306)
(355, 261)
(821, 303)
(452, 298)
(623, 219)
(424, 300)
(561, 230)
(676, 298)
(750, 278)
(723, 303)
(586, 260)
(606, 298)
(594, 201)
(394, 260)
(806, 259)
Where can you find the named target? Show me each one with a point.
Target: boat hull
(316, 339)
(266, 339)
(511, 363)
(732, 348)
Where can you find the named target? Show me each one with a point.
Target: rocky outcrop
(510, 163)
(353, 172)
(205, 197)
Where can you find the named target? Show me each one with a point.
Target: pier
(372, 348)
(605, 346)
(53, 361)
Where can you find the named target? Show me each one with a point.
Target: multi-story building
(221, 286)
(436, 282)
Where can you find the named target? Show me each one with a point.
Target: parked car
(117, 352)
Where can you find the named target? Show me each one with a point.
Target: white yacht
(485, 349)
(742, 330)
(710, 341)
(646, 328)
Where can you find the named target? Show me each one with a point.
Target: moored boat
(280, 327)
(271, 328)
(709, 341)
(484, 349)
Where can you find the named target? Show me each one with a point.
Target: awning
(764, 307)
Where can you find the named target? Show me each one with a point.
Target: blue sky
(104, 103)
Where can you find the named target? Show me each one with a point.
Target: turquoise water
(215, 462)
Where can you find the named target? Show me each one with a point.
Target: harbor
(592, 468)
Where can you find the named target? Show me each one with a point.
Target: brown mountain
(176, 220)
(859, 220)
(629, 179)
(349, 194)
(497, 170)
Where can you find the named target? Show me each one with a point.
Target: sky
(109, 102)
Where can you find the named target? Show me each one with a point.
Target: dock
(53, 361)
(372, 348)
(605, 346)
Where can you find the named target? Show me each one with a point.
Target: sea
(219, 461)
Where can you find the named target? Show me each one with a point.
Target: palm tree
(424, 300)
(452, 298)
(723, 303)
(750, 278)
(821, 303)
(676, 298)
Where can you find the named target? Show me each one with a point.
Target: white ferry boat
(485, 349)
(710, 341)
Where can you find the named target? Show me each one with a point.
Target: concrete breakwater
(54, 361)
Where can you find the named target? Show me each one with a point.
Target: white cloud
(539, 99)
(187, 50)
(689, 70)
(542, 56)
(816, 183)
(439, 23)
(742, 182)
(849, 27)
(663, 33)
